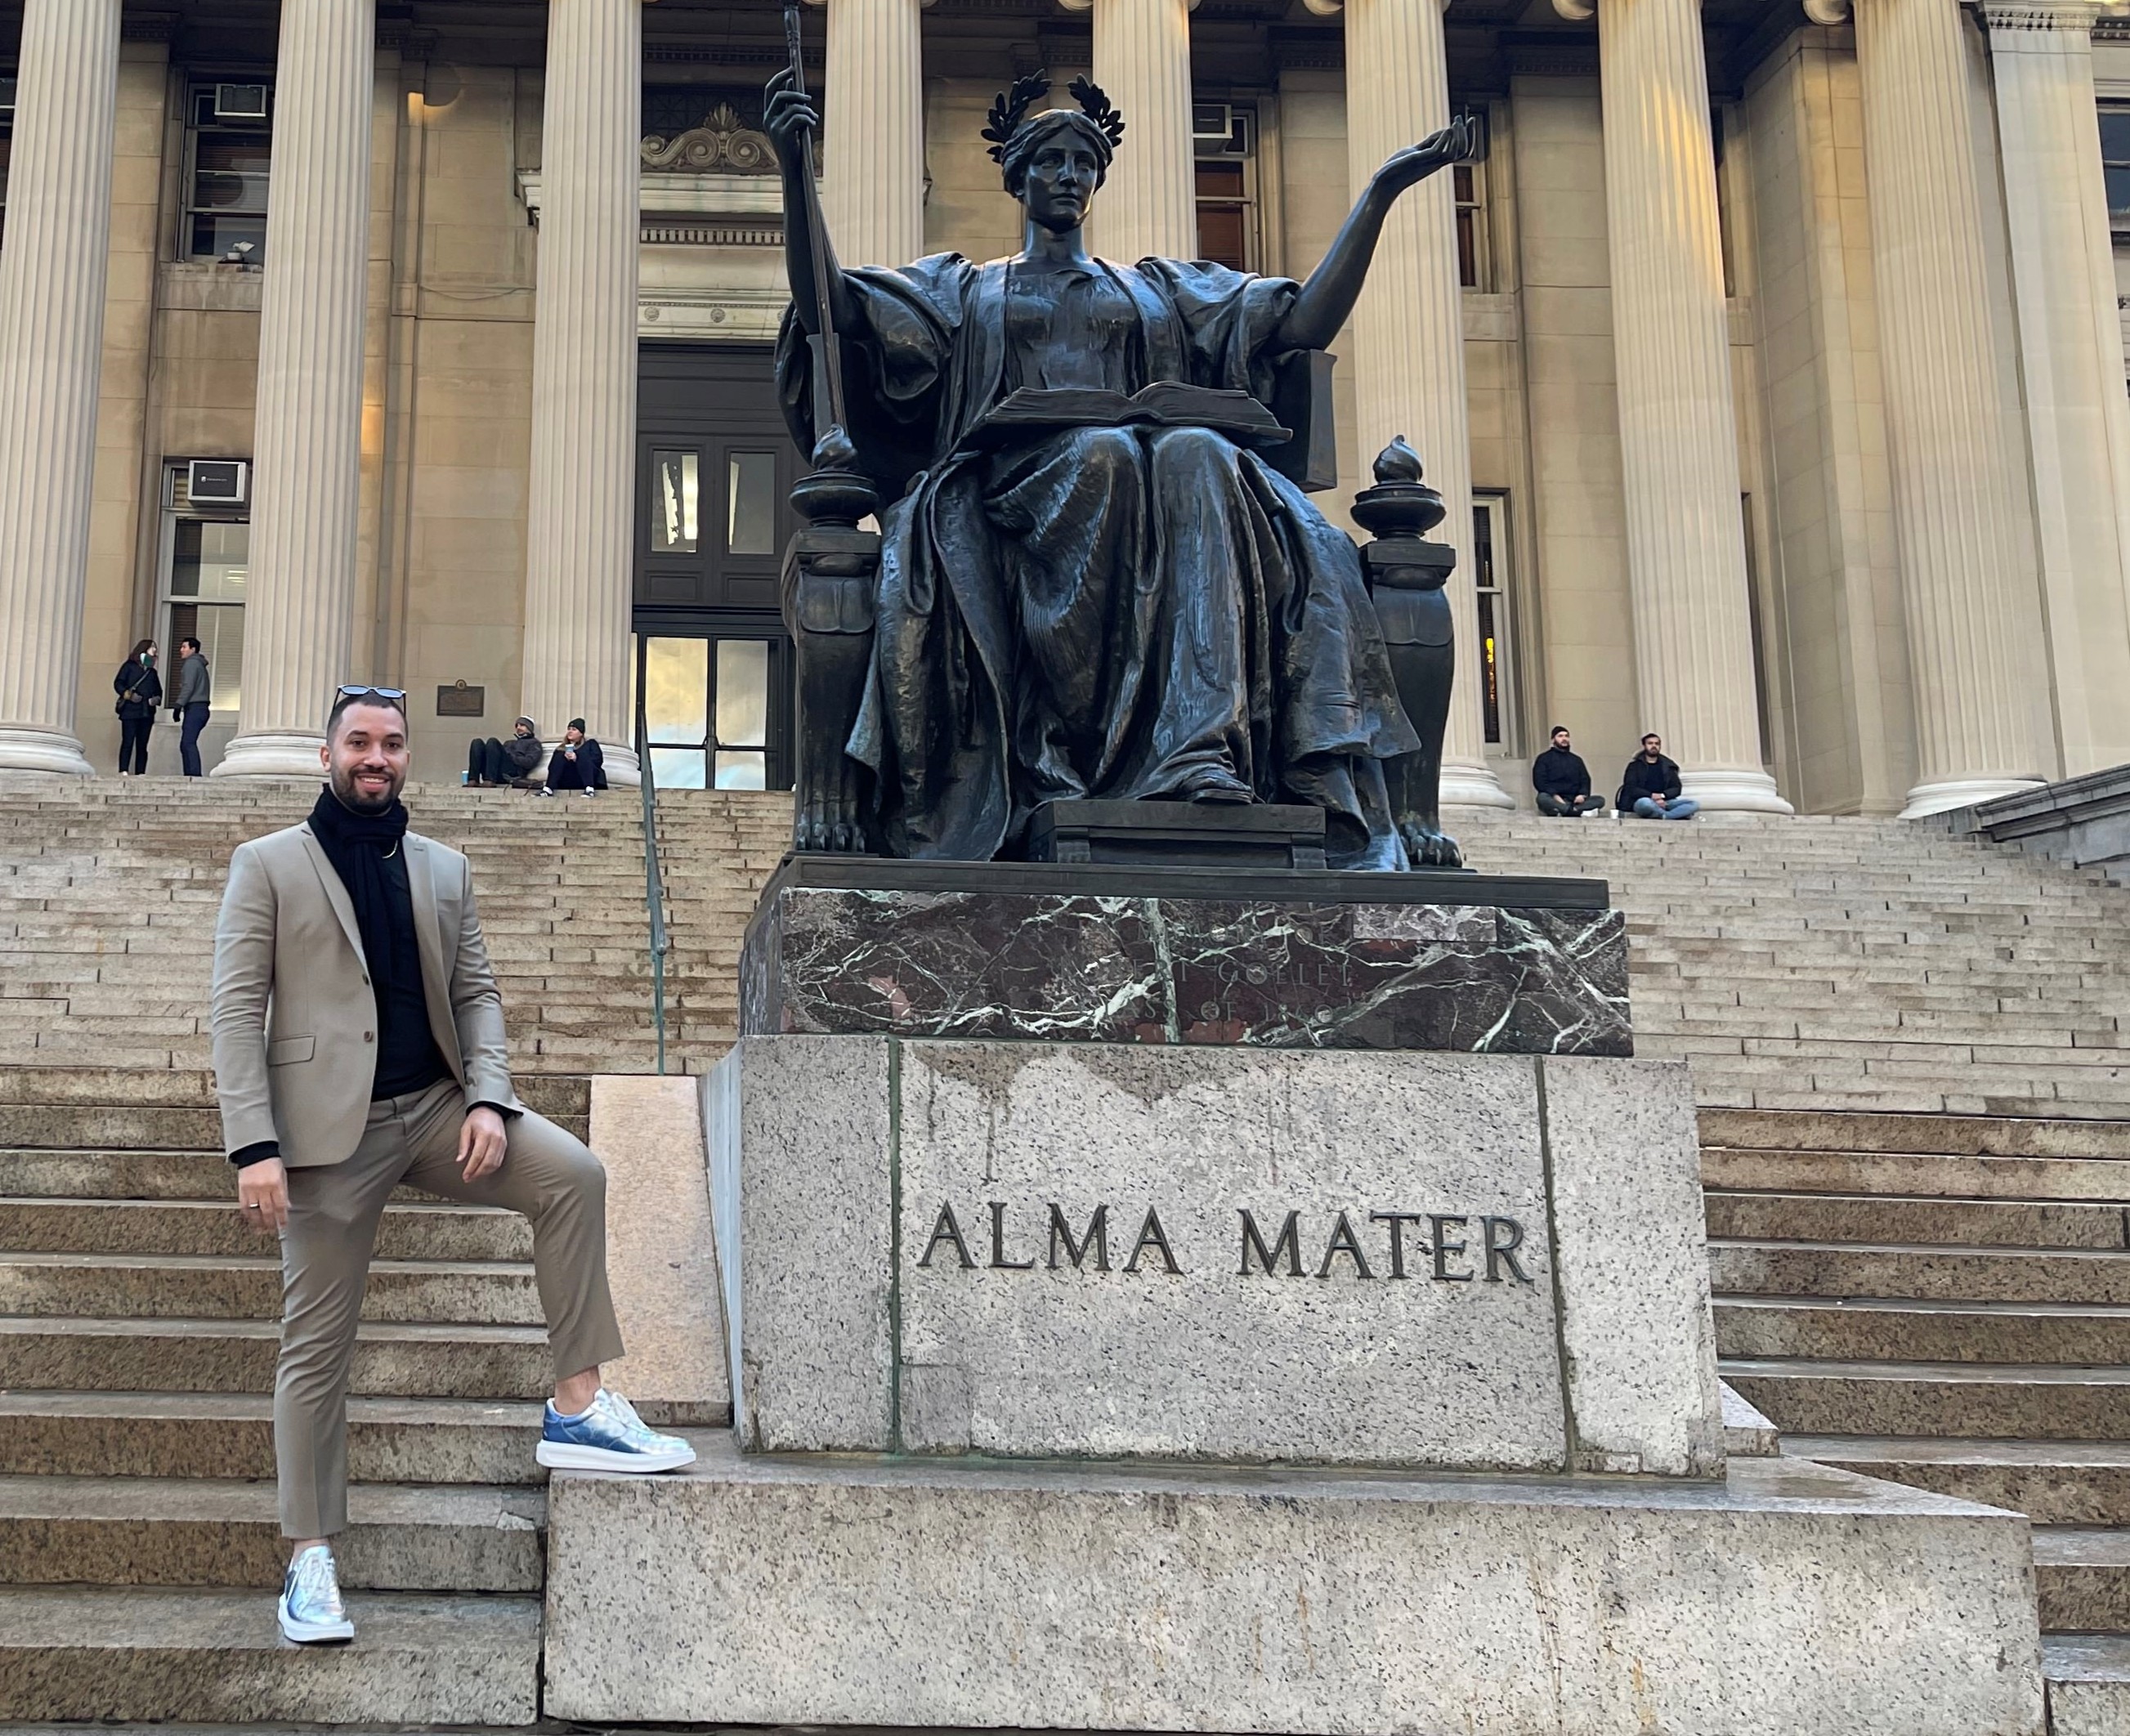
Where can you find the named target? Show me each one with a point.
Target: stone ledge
(1789, 1599)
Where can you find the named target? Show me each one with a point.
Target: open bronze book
(1166, 403)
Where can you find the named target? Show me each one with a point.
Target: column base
(43, 749)
(1948, 793)
(1467, 786)
(273, 754)
(1726, 790)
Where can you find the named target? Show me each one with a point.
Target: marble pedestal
(1230, 1255)
(1261, 957)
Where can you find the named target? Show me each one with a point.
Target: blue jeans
(189, 737)
(1678, 808)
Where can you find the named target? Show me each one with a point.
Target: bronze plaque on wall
(458, 700)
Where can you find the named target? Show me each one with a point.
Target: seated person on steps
(502, 763)
(577, 765)
(1649, 786)
(1563, 781)
(349, 1059)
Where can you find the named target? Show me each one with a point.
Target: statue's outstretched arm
(787, 117)
(1327, 299)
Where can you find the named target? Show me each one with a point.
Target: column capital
(1332, 8)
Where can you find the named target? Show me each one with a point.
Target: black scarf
(357, 844)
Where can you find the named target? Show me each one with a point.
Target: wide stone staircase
(140, 1547)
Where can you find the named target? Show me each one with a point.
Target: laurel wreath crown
(1009, 110)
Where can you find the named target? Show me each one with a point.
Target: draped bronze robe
(1117, 613)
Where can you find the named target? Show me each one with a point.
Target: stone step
(1966, 1136)
(391, 1360)
(1922, 1331)
(203, 1655)
(1992, 1401)
(1878, 1217)
(1920, 1271)
(2052, 1482)
(160, 1531)
(1912, 1175)
(2088, 1683)
(176, 1287)
(2082, 1578)
(206, 1434)
(202, 1229)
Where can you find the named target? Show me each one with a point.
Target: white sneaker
(310, 1610)
(608, 1436)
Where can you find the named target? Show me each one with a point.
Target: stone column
(1149, 203)
(306, 443)
(1405, 345)
(1678, 442)
(872, 185)
(581, 530)
(2070, 343)
(52, 273)
(1952, 484)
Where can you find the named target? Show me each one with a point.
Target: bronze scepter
(828, 352)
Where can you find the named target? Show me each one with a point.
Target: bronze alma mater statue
(1096, 575)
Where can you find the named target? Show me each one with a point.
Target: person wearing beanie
(501, 763)
(577, 767)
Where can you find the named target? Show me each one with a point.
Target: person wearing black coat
(579, 764)
(1649, 787)
(1563, 781)
(501, 763)
(140, 691)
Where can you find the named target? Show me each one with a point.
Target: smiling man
(358, 1044)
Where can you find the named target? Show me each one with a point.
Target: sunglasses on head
(394, 693)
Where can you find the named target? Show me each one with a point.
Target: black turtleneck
(367, 851)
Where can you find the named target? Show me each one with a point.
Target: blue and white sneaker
(310, 1609)
(608, 1436)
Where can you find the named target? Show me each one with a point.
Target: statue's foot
(828, 831)
(1429, 846)
(1214, 785)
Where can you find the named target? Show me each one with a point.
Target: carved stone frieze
(723, 142)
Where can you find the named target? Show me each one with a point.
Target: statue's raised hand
(1415, 163)
(788, 116)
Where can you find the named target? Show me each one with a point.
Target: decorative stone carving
(723, 142)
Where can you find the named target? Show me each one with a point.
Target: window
(708, 704)
(229, 140)
(1490, 548)
(7, 125)
(204, 584)
(1469, 179)
(1224, 140)
(2115, 161)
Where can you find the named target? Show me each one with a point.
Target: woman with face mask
(140, 690)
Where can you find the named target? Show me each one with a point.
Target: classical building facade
(1770, 357)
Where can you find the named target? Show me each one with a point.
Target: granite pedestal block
(1269, 958)
(1234, 1255)
(1787, 1599)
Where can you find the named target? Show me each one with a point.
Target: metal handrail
(654, 879)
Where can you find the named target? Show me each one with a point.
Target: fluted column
(2070, 343)
(307, 444)
(581, 534)
(1405, 343)
(1148, 205)
(873, 189)
(1952, 485)
(52, 271)
(1679, 443)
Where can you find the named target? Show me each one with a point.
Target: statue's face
(1061, 182)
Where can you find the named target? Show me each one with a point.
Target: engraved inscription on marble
(1454, 1247)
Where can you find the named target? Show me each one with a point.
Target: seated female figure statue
(1071, 609)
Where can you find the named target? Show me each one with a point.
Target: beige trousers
(548, 1175)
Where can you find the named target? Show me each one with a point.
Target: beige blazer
(295, 1020)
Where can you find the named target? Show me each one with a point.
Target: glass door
(714, 709)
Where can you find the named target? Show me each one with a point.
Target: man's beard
(350, 797)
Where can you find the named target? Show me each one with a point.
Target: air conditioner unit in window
(1212, 120)
(240, 102)
(217, 482)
